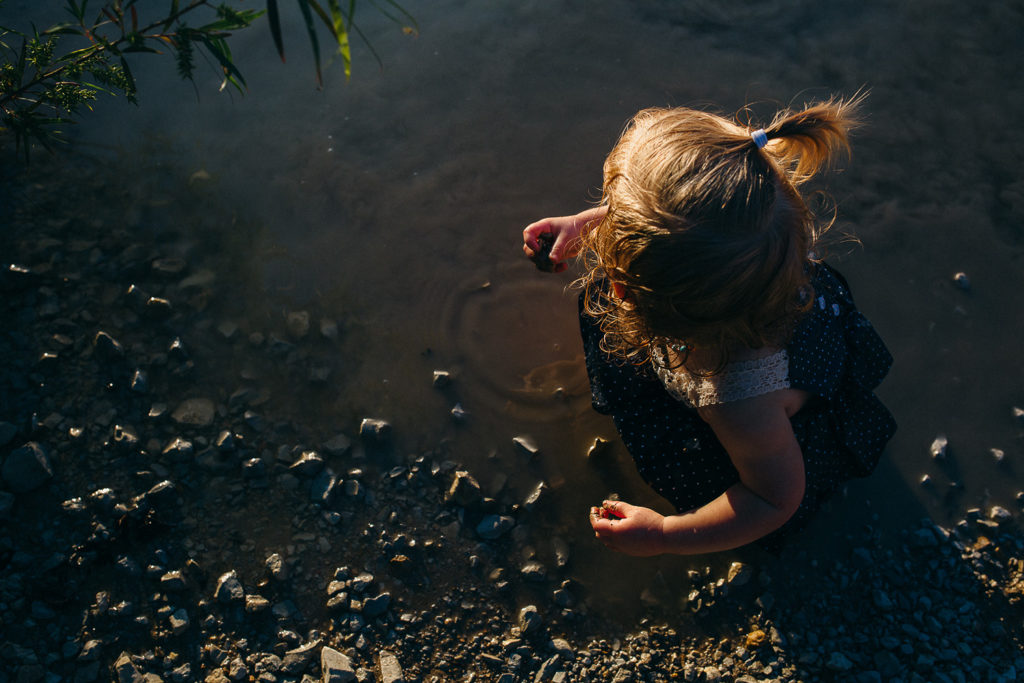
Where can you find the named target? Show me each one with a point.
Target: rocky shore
(165, 517)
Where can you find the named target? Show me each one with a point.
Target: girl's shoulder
(749, 373)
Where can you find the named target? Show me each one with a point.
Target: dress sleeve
(836, 354)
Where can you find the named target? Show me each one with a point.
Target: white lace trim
(743, 379)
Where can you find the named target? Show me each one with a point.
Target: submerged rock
(195, 412)
(27, 468)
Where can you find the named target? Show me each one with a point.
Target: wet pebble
(526, 445)
(298, 324)
(494, 526)
(195, 412)
(939, 447)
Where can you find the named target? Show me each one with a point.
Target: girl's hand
(565, 230)
(629, 528)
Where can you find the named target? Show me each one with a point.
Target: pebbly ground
(165, 518)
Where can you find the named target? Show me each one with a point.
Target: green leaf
(311, 29)
(275, 26)
(220, 51)
(341, 34)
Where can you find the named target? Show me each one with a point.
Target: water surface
(394, 204)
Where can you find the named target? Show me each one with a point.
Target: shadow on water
(393, 206)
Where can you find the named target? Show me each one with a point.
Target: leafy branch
(43, 84)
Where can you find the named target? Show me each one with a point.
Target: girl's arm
(757, 434)
(566, 230)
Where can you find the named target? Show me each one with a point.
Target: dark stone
(494, 526)
(374, 430)
(7, 433)
(27, 468)
(106, 347)
(464, 491)
(376, 606)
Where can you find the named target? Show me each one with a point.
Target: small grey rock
(388, 668)
(335, 667)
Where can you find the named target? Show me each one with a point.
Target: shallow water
(395, 203)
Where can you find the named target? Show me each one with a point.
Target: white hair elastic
(760, 137)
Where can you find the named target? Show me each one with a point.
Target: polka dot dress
(834, 354)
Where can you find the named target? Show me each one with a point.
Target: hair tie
(760, 137)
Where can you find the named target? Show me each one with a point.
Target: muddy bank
(170, 512)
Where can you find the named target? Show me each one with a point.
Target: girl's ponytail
(805, 141)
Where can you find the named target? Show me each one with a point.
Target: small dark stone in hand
(542, 258)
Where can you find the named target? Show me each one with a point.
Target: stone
(27, 468)
(106, 347)
(298, 324)
(388, 668)
(323, 487)
(6, 504)
(530, 620)
(7, 433)
(276, 567)
(179, 621)
(739, 574)
(464, 491)
(125, 669)
(534, 496)
(838, 662)
(373, 429)
(494, 526)
(329, 329)
(442, 379)
(297, 660)
(598, 449)
(335, 667)
(173, 581)
(139, 382)
(338, 445)
(229, 588)
(307, 464)
(376, 606)
(533, 571)
(158, 308)
(962, 281)
(939, 447)
(195, 412)
(526, 445)
(561, 549)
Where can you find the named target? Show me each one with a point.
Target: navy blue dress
(834, 354)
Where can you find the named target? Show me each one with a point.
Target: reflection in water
(394, 205)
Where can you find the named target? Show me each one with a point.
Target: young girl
(738, 371)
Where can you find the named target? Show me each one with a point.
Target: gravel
(222, 540)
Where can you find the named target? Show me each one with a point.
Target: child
(738, 371)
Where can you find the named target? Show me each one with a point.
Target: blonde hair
(706, 232)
